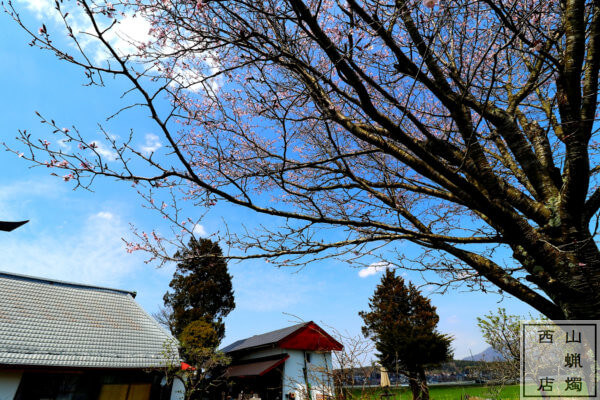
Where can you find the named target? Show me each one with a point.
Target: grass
(440, 392)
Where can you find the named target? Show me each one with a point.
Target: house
(61, 340)
(286, 364)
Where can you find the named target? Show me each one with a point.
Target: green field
(440, 392)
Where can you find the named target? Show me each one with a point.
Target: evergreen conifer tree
(201, 288)
(402, 323)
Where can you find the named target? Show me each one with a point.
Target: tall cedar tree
(402, 324)
(202, 288)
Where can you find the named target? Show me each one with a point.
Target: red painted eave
(310, 337)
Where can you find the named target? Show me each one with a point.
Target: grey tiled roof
(53, 323)
(263, 339)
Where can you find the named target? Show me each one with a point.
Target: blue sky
(76, 235)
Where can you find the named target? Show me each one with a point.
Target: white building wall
(318, 374)
(178, 389)
(9, 383)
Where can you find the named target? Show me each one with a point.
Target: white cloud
(64, 144)
(40, 8)
(199, 230)
(16, 198)
(105, 215)
(108, 154)
(152, 144)
(125, 37)
(373, 269)
(44, 11)
(92, 252)
(192, 78)
(465, 274)
(131, 31)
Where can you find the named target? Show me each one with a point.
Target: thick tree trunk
(418, 385)
(577, 287)
(567, 270)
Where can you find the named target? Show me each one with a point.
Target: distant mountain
(488, 354)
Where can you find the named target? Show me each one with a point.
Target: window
(136, 391)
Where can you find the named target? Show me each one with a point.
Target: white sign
(559, 360)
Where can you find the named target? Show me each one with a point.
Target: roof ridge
(12, 275)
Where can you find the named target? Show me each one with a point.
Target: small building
(61, 340)
(286, 364)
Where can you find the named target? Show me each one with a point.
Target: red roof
(304, 336)
(310, 337)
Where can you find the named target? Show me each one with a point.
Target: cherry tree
(463, 127)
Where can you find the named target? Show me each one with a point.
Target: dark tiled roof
(54, 323)
(257, 368)
(263, 339)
